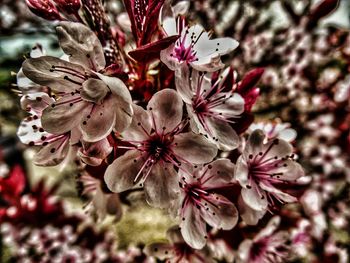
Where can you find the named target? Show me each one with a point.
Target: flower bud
(321, 10)
(44, 8)
(68, 6)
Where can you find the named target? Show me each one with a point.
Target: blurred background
(305, 87)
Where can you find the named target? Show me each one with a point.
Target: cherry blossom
(194, 46)
(211, 108)
(54, 147)
(262, 169)
(200, 204)
(87, 99)
(157, 144)
(269, 245)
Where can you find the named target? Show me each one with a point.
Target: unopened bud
(68, 6)
(321, 10)
(44, 9)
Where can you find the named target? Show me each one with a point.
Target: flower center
(158, 145)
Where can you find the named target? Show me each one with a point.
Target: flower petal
(94, 153)
(254, 143)
(120, 175)
(242, 172)
(256, 200)
(233, 106)
(53, 153)
(166, 108)
(81, 44)
(161, 186)
(63, 115)
(194, 148)
(193, 229)
(43, 71)
(290, 170)
(94, 90)
(249, 215)
(219, 212)
(221, 134)
(140, 126)
(219, 174)
(117, 87)
(287, 198)
(97, 123)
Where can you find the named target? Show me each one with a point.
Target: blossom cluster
(149, 101)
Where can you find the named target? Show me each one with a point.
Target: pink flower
(261, 170)
(200, 204)
(157, 145)
(194, 46)
(86, 99)
(212, 108)
(267, 246)
(54, 147)
(177, 251)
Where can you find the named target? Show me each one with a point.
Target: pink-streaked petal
(166, 108)
(94, 90)
(98, 122)
(120, 175)
(249, 215)
(81, 44)
(287, 198)
(290, 170)
(160, 250)
(62, 116)
(254, 197)
(194, 148)
(219, 174)
(193, 229)
(162, 185)
(220, 212)
(232, 107)
(40, 70)
(53, 153)
(280, 148)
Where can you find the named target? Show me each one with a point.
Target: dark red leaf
(151, 51)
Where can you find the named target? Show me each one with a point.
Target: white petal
(140, 126)
(81, 44)
(193, 229)
(256, 200)
(120, 175)
(194, 148)
(161, 186)
(166, 109)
